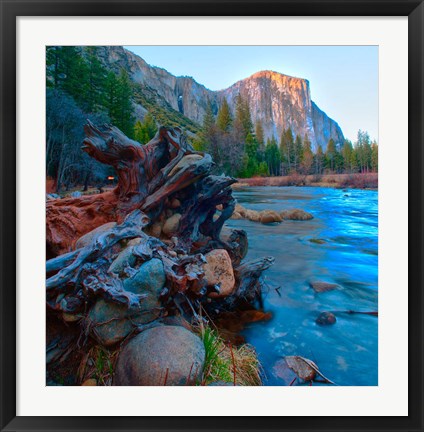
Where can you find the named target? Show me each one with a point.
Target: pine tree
(374, 156)
(307, 156)
(287, 150)
(95, 97)
(118, 101)
(347, 150)
(319, 160)
(224, 118)
(330, 154)
(298, 153)
(259, 133)
(243, 119)
(272, 156)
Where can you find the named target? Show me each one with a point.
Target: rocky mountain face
(278, 100)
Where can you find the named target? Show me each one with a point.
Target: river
(347, 221)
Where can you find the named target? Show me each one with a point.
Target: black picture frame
(10, 10)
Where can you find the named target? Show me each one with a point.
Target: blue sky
(343, 79)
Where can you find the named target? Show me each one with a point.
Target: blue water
(347, 221)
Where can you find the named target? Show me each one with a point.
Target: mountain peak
(279, 101)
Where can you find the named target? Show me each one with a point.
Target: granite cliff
(278, 100)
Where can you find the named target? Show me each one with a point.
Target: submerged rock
(296, 214)
(219, 271)
(165, 355)
(270, 216)
(326, 318)
(317, 241)
(320, 286)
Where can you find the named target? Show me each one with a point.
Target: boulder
(86, 239)
(269, 216)
(252, 215)
(219, 271)
(326, 318)
(149, 278)
(320, 286)
(240, 210)
(113, 322)
(296, 214)
(165, 355)
(171, 225)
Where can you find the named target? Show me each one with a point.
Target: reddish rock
(219, 271)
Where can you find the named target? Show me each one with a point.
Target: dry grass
(225, 362)
(98, 364)
(355, 181)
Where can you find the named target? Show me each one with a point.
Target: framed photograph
(211, 215)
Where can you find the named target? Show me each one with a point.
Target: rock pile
(270, 216)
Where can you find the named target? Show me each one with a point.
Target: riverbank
(353, 181)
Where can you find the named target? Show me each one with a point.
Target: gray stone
(112, 322)
(149, 278)
(320, 286)
(326, 318)
(166, 355)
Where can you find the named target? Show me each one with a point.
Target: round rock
(165, 355)
(171, 225)
(149, 278)
(113, 322)
(326, 318)
(219, 271)
(270, 216)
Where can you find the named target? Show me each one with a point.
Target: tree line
(239, 147)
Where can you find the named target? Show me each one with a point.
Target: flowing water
(347, 221)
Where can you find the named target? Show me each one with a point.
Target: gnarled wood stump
(173, 209)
